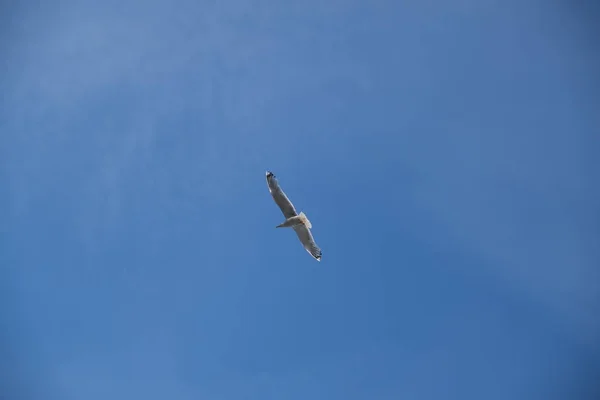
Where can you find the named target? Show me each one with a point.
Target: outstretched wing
(286, 206)
(308, 241)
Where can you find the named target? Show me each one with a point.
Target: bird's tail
(305, 220)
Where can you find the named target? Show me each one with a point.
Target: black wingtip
(269, 174)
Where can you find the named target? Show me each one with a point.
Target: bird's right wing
(308, 241)
(286, 206)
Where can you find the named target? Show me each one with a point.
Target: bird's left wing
(308, 241)
(282, 201)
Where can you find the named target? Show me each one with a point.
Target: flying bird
(298, 222)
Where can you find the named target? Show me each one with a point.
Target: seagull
(298, 222)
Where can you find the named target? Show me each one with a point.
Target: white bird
(299, 222)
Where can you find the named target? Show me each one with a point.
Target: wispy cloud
(506, 199)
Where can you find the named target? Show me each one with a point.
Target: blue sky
(445, 152)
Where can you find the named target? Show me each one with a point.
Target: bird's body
(299, 222)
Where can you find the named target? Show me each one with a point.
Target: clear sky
(446, 154)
